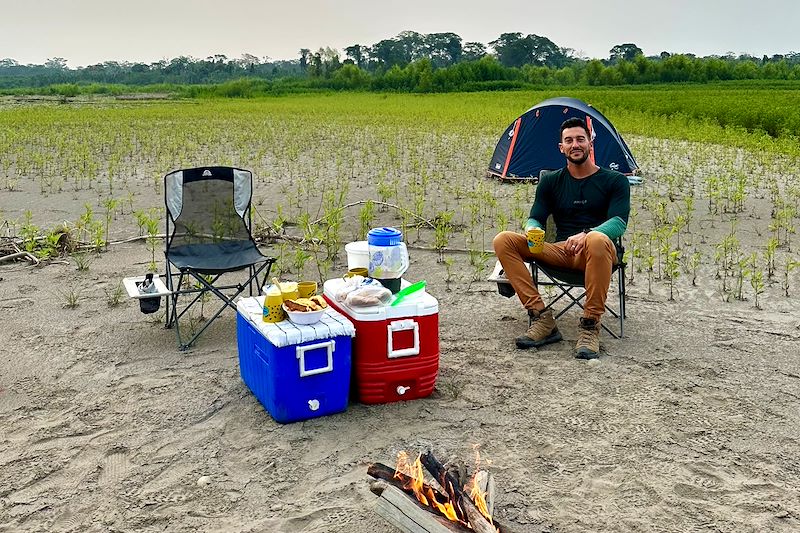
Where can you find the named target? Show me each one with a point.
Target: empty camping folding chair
(208, 235)
(566, 281)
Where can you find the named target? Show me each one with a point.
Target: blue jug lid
(384, 236)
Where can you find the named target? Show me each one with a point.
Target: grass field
(322, 160)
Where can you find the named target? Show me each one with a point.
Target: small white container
(304, 317)
(357, 254)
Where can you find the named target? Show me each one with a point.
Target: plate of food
(305, 310)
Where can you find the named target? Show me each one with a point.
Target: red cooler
(396, 349)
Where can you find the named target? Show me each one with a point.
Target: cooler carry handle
(301, 356)
(402, 325)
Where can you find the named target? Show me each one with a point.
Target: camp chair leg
(565, 289)
(565, 292)
(205, 287)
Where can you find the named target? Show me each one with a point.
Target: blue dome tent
(530, 144)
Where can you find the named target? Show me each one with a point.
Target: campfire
(446, 502)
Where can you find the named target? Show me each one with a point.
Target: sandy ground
(689, 424)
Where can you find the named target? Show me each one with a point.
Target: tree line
(411, 61)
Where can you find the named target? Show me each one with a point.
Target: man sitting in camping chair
(590, 207)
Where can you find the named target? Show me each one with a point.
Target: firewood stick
(485, 482)
(464, 506)
(490, 494)
(401, 481)
(405, 513)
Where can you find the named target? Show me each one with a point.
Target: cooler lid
(287, 333)
(419, 303)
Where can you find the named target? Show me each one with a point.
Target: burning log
(403, 481)
(406, 513)
(464, 507)
(485, 483)
(433, 495)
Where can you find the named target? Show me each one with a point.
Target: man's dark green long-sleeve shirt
(599, 202)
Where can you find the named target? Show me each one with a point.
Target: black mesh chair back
(209, 234)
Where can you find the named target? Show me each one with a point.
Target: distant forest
(410, 62)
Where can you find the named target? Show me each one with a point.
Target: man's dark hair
(574, 122)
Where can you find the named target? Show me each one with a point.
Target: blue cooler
(296, 371)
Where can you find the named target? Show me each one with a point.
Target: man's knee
(503, 241)
(597, 242)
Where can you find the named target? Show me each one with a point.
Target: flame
(478, 496)
(426, 496)
(423, 493)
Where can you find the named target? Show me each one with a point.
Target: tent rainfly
(530, 144)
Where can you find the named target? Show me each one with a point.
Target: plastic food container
(304, 317)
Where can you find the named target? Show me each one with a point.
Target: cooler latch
(402, 325)
(300, 351)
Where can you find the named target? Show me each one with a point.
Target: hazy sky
(92, 31)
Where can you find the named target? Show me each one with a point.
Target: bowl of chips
(305, 310)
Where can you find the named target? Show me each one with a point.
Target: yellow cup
(536, 240)
(359, 271)
(288, 290)
(273, 305)
(307, 289)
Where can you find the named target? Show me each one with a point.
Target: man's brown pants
(596, 260)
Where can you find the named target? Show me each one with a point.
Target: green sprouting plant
(728, 255)
(417, 191)
(694, 265)
(741, 272)
(48, 246)
(71, 297)
(441, 232)
(769, 256)
(672, 270)
(82, 261)
(782, 223)
(333, 219)
(85, 223)
(218, 228)
(632, 255)
(141, 220)
(756, 277)
(98, 233)
(129, 200)
(650, 260)
(788, 267)
(448, 266)
(110, 205)
(477, 259)
(114, 295)
(151, 225)
(42, 246)
(688, 210)
(385, 192)
(366, 217)
(29, 232)
(312, 239)
(300, 259)
(279, 223)
(204, 296)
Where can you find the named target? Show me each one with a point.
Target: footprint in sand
(116, 466)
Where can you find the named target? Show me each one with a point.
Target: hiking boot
(588, 345)
(542, 330)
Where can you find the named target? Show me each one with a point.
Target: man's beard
(578, 160)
